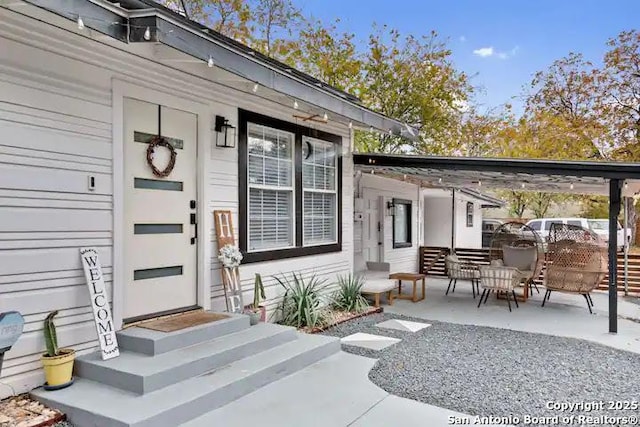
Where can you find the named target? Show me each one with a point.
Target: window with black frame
(401, 223)
(290, 189)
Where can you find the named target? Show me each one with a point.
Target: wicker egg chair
(576, 261)
(514, 244)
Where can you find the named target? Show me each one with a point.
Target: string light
(255, 87)
(523, 185)
(479, 183)
(350, 125)
(295, 105)
(325, 117)
(210, 61)
(626, 185)
(371, 129)
(571, 186)
(439, 180)
(80, 23)
(404, 177)
(147, 34)
(391, 132)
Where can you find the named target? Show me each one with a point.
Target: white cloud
(484, 52)
(463, 39)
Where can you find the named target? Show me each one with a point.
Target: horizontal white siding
(400, 259)
(56, 131)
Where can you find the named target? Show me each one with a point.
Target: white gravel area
(498, 372)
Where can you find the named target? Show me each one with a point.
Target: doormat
(182, 321)
(21, 411)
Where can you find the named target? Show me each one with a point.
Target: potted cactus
(57, 362)
(257, 312)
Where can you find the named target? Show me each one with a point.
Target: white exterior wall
(400, 259)
(57, 127)
(438, 218)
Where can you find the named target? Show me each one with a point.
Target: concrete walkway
(563, 315)
(334, 392)
(337, 392)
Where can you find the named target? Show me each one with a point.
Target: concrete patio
(563, 315)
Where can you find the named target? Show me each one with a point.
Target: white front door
(371, 229)
(160, 256)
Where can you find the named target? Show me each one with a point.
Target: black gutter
(609, 170)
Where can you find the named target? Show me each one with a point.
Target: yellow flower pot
(58, 370)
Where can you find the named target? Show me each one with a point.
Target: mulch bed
(341, 317)
(22, 411)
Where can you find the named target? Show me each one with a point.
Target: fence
(432, 263)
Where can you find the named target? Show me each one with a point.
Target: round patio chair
(517, 245)
(576, 262)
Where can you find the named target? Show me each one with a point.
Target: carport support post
(615, 190)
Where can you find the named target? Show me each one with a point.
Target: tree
(274, 27)
(413, 80)
(330, 56)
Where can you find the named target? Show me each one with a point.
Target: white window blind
(270, 181)
(319, 182)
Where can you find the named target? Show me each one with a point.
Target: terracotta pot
(58, 370)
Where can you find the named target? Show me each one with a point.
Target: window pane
(270, 219)
(270, 156)
(400, 224)
(320, 194)
(319, 218)
(319, 164)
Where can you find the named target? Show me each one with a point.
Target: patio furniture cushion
(376, 285)
(522, 258)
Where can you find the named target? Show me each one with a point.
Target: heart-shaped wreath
(159, 141)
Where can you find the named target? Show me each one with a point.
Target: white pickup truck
(598, 226)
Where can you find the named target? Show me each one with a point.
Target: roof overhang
(573, 177)
(127, 21)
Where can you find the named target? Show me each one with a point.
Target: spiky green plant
(302, 302)
(50, 336)
(258, 292)
(348, 296)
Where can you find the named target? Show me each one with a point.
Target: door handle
(195, 224)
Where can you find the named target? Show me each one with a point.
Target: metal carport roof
(614, 179)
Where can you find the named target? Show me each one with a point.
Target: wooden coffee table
(409, 277)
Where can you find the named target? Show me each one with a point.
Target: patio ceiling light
(80, 23)
(210, 61)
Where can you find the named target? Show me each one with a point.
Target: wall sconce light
(391, 208)
(229, 138)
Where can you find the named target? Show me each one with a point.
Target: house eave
(175, 31)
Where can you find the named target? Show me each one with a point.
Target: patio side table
(409, 277)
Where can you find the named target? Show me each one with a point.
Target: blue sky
(511, 39)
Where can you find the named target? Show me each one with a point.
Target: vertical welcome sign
(99, 303)
(230, 276)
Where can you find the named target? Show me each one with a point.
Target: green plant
(50, 336)
(258, 292)
(301, 304)
(348, 296)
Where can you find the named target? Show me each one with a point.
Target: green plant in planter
(255, 310)
(57, 362)
(302, 303)
(50, 335)
(348, 296)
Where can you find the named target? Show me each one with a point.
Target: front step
(150, 342)
(141, 373)
(88, 403)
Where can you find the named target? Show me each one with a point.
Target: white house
(84, 86)
(453, 217)
(394, 216)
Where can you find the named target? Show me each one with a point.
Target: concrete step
(146, 341)
(88, 403)
(141, 373)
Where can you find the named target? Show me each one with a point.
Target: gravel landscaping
(497, 372)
